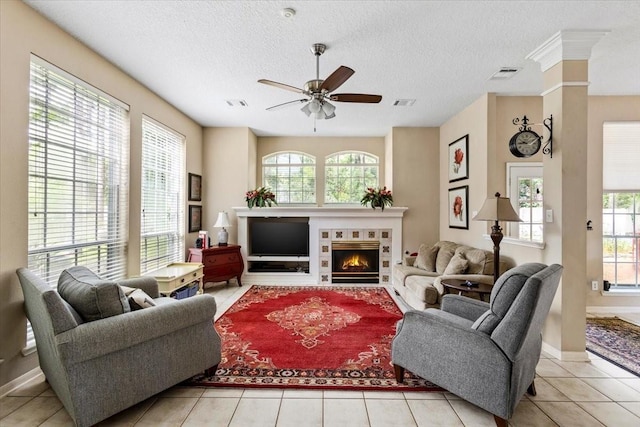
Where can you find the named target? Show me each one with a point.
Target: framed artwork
(458, 159)
(195, 218)
(459, 207)
(195, 187)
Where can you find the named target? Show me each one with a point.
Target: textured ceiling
(198, 54)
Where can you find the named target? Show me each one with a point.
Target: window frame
(280, 191)
(77, 178)
(163, 155)
(364, 184)
(515, 171)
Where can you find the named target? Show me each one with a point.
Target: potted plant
(377, 198)
(260, 197)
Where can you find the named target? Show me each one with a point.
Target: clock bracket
(524, 125)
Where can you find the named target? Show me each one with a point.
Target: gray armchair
(486, 353)
(101, 367)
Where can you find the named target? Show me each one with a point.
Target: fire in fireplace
(355, 262)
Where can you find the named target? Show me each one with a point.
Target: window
(525, 192)
(621, 238)
(162, 222)
(78, 168)
(291, 176)
(347, 176)
(621, 204)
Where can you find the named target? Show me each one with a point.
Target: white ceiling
(198, 54)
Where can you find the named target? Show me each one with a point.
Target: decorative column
(564, 61)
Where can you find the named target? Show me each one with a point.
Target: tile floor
(569, 394)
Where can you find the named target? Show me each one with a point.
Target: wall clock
(525, 143)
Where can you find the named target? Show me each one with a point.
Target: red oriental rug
(310, 337)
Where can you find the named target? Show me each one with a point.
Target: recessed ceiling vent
(404, 102)
(236, 103)
(505, 73)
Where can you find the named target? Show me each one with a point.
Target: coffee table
(460, 285)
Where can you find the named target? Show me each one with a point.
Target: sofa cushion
(446, 251)
(477, 259)
(426, 258)
(423, 288)
(401, 272)
(457, 265)
(91, 296)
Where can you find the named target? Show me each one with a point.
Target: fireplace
(355, 262)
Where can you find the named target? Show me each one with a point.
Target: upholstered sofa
(418, 279)
(101, 354)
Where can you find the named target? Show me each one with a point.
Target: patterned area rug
(615, 340)
(310, 337)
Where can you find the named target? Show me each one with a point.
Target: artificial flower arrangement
(260, 197)
(377, 197)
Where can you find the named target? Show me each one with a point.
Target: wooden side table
(222, 263)
(460, 286)
(177, 275)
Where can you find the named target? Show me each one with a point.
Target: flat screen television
(273, 237)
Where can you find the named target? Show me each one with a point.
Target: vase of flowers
(260, 197)
(377, 198)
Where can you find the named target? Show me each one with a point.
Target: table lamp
(223, 221)
(496, 209)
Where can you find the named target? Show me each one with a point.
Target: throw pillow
(457, 265)
(138, 299)
(426, 258)
(91, 296)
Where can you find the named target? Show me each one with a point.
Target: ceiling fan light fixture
(328, 108)
(306, 110)
(314, 106)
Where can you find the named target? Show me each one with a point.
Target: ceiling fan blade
(280, 85)
(286, 104)
(356, 97)
(335, 80)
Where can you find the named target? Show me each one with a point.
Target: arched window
(291, 176)
(348, 174)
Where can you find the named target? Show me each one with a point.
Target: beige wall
(413, 167)
(22, 32)
(229, 171)
(474, 121)
(603, 109)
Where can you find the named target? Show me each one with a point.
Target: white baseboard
(21, 380)
(566, 356)
(603, 309)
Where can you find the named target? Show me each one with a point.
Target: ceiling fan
(318, 92)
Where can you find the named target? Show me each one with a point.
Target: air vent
(404, 102)
(505, 73)
(237, 103)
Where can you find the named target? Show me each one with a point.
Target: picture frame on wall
(459, 207)
(195, 188)
(195, 218)
(458, 159)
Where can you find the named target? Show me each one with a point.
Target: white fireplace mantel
(321, 218)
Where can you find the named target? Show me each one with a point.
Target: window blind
(621, 156)
(162, 223)
(78, 177)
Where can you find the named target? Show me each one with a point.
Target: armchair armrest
(148, 284)
(104, 336)
(462, 306)
(442, 338)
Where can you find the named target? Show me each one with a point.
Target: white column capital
(566, 45)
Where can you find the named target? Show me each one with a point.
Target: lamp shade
(497, 209)
(223, 220)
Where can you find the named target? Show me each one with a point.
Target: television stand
(274, 264)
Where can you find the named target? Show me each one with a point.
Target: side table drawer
(221, 259)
